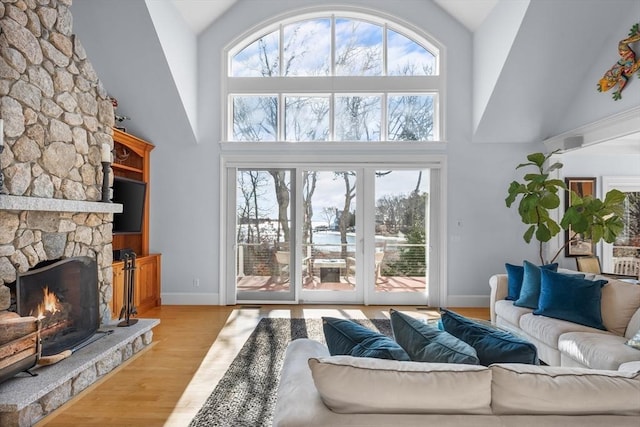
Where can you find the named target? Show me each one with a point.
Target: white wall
(590, 105)
(185, 206)
(479, 174)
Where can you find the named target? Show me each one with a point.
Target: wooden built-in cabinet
(147, 284)
(131, 160)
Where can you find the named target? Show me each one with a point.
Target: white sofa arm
(499, 290)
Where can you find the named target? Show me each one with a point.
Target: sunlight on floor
(240, 324)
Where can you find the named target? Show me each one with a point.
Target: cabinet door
(147, 283)
(118, 290)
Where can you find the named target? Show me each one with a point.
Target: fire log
(16, 327)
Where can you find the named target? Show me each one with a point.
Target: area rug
(246, 394)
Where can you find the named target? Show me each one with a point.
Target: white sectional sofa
(320, 390)
(562, 343)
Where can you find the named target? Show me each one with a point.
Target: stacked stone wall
(56, 117)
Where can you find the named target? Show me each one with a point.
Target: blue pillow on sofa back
(515, 275)
(571, 298)
(345, 337)
(530, 291)
(492, 345)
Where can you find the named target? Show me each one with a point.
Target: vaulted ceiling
(529, 67)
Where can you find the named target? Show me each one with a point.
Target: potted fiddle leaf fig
(539, 193)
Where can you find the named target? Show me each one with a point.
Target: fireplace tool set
(128, 307)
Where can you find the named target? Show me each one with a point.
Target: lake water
(329, 241)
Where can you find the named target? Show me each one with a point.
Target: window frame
(331, 85)
(437, 231)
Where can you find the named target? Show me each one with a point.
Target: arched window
(334, 77)
(330, 193)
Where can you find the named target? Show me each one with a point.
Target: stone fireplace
(63, 295)
(56, 116)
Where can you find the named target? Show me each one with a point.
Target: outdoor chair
(283, 259)
(351, 267)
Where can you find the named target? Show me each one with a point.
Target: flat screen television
(130, 193)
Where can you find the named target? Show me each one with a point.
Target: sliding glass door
(355, 234)
(265, 266)
(329, 237)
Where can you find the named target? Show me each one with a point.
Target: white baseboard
(183, 298)
(468, 300)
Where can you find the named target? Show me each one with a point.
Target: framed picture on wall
(578, 246)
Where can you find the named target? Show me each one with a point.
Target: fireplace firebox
(64, 296)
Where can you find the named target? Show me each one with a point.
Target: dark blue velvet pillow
(492, 345)
(571, 298)
(427, 343)
(530, 291)
(515, 275)
(345, 337)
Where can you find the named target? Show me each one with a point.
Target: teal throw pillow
(427, 343)
(492, 345)
(530, 291)
(346, 337)
(571, 298)
(515, 275)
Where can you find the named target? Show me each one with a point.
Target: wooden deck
(383, 284)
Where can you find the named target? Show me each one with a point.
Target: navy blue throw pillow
(345, 337)
(515, 275)
(571, 298)
(427, 343)
(491, 344)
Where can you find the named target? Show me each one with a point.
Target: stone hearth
(25, 399)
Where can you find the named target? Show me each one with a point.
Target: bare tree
(282, 196)
(309, 186)
(328, 214)
(345, 214)
(250, 185)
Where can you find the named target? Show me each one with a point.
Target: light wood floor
(167, 383)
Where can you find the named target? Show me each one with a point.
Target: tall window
(332, 180)
(334, 77)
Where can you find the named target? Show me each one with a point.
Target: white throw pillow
(528, 389)
(355, 385)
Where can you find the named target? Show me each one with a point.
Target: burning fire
(50, 304)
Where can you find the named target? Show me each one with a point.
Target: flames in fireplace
(64, 296)
(54, 316)
(50, 305)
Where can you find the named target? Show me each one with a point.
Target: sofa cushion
(348, 337)
(620, 300)
(364, 385)
(548, 330)
(427, 343)
(571, 298)
(515, 275)
(491, 344)
(510, 312)
(526, 389)
(530, 292)
(596, 350)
